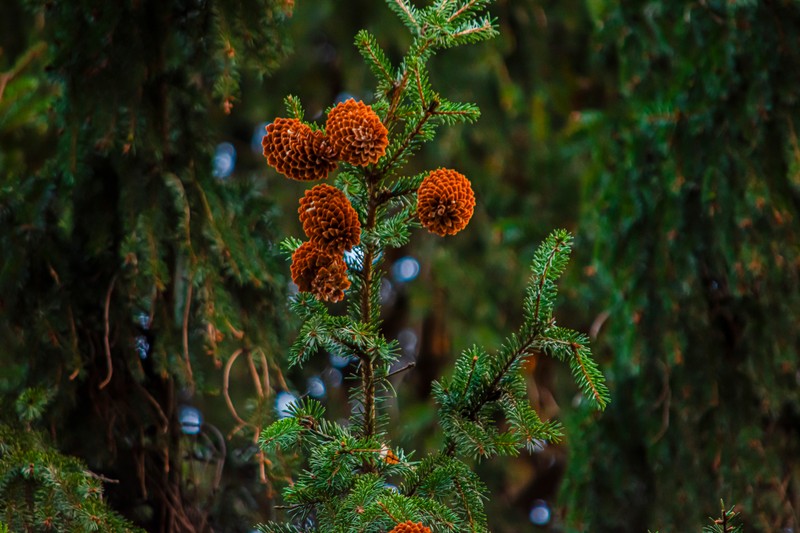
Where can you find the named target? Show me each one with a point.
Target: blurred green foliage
(692, 207)
(131, 272)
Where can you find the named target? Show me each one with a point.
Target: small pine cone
(296, 151)
(356, 133)
(410, 527)
(328, 219)
(445, 202)
(319, 272)
(388, 456)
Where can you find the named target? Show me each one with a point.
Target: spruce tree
(132, 275)
(692, 212)
(483, 407)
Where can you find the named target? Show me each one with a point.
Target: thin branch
(265, 371)
(155, 404)
(485, 27)
(100, 477)
(419, 87)
(463, 8)
(185, 331)
(376, 61)
(397, 95)
(460, 490)
(409, 366)
(254, 375)
(489, 391)
(387, 195)
(106, 329)
(367, 370)
(226, 375)
(223, 450)
(218, 235)
(281, 381)
(407, 141)
(389, 514)
(407, 11)
(443, 5)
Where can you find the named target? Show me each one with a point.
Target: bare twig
(101, 477)
(226, 375)
(254, 375)
(223, 450)
(598, 322)
(409, 366)
(106, 332)
(155, 404)
(265, 371)
(185, 332)
(281, 381)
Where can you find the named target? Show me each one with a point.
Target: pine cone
(410, 527)
(445, 202)
(328, 219)
(319, 272)
(388, 456)
(356, 133)
(296, 151)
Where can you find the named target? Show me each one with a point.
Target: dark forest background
(143, 300)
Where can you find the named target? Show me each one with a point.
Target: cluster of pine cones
(354, 134)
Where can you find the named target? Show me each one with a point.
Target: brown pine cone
(356, 133)
(319, 272)
(410, 527)
(296, 151)
(388, 456)
(328, 219)
(445, 202)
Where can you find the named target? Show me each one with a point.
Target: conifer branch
(397, 92)
(405, 10)
(544, 276)
(400, 151)
(491, 391)
(588, 376)
(368, 47)
(464, 502)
